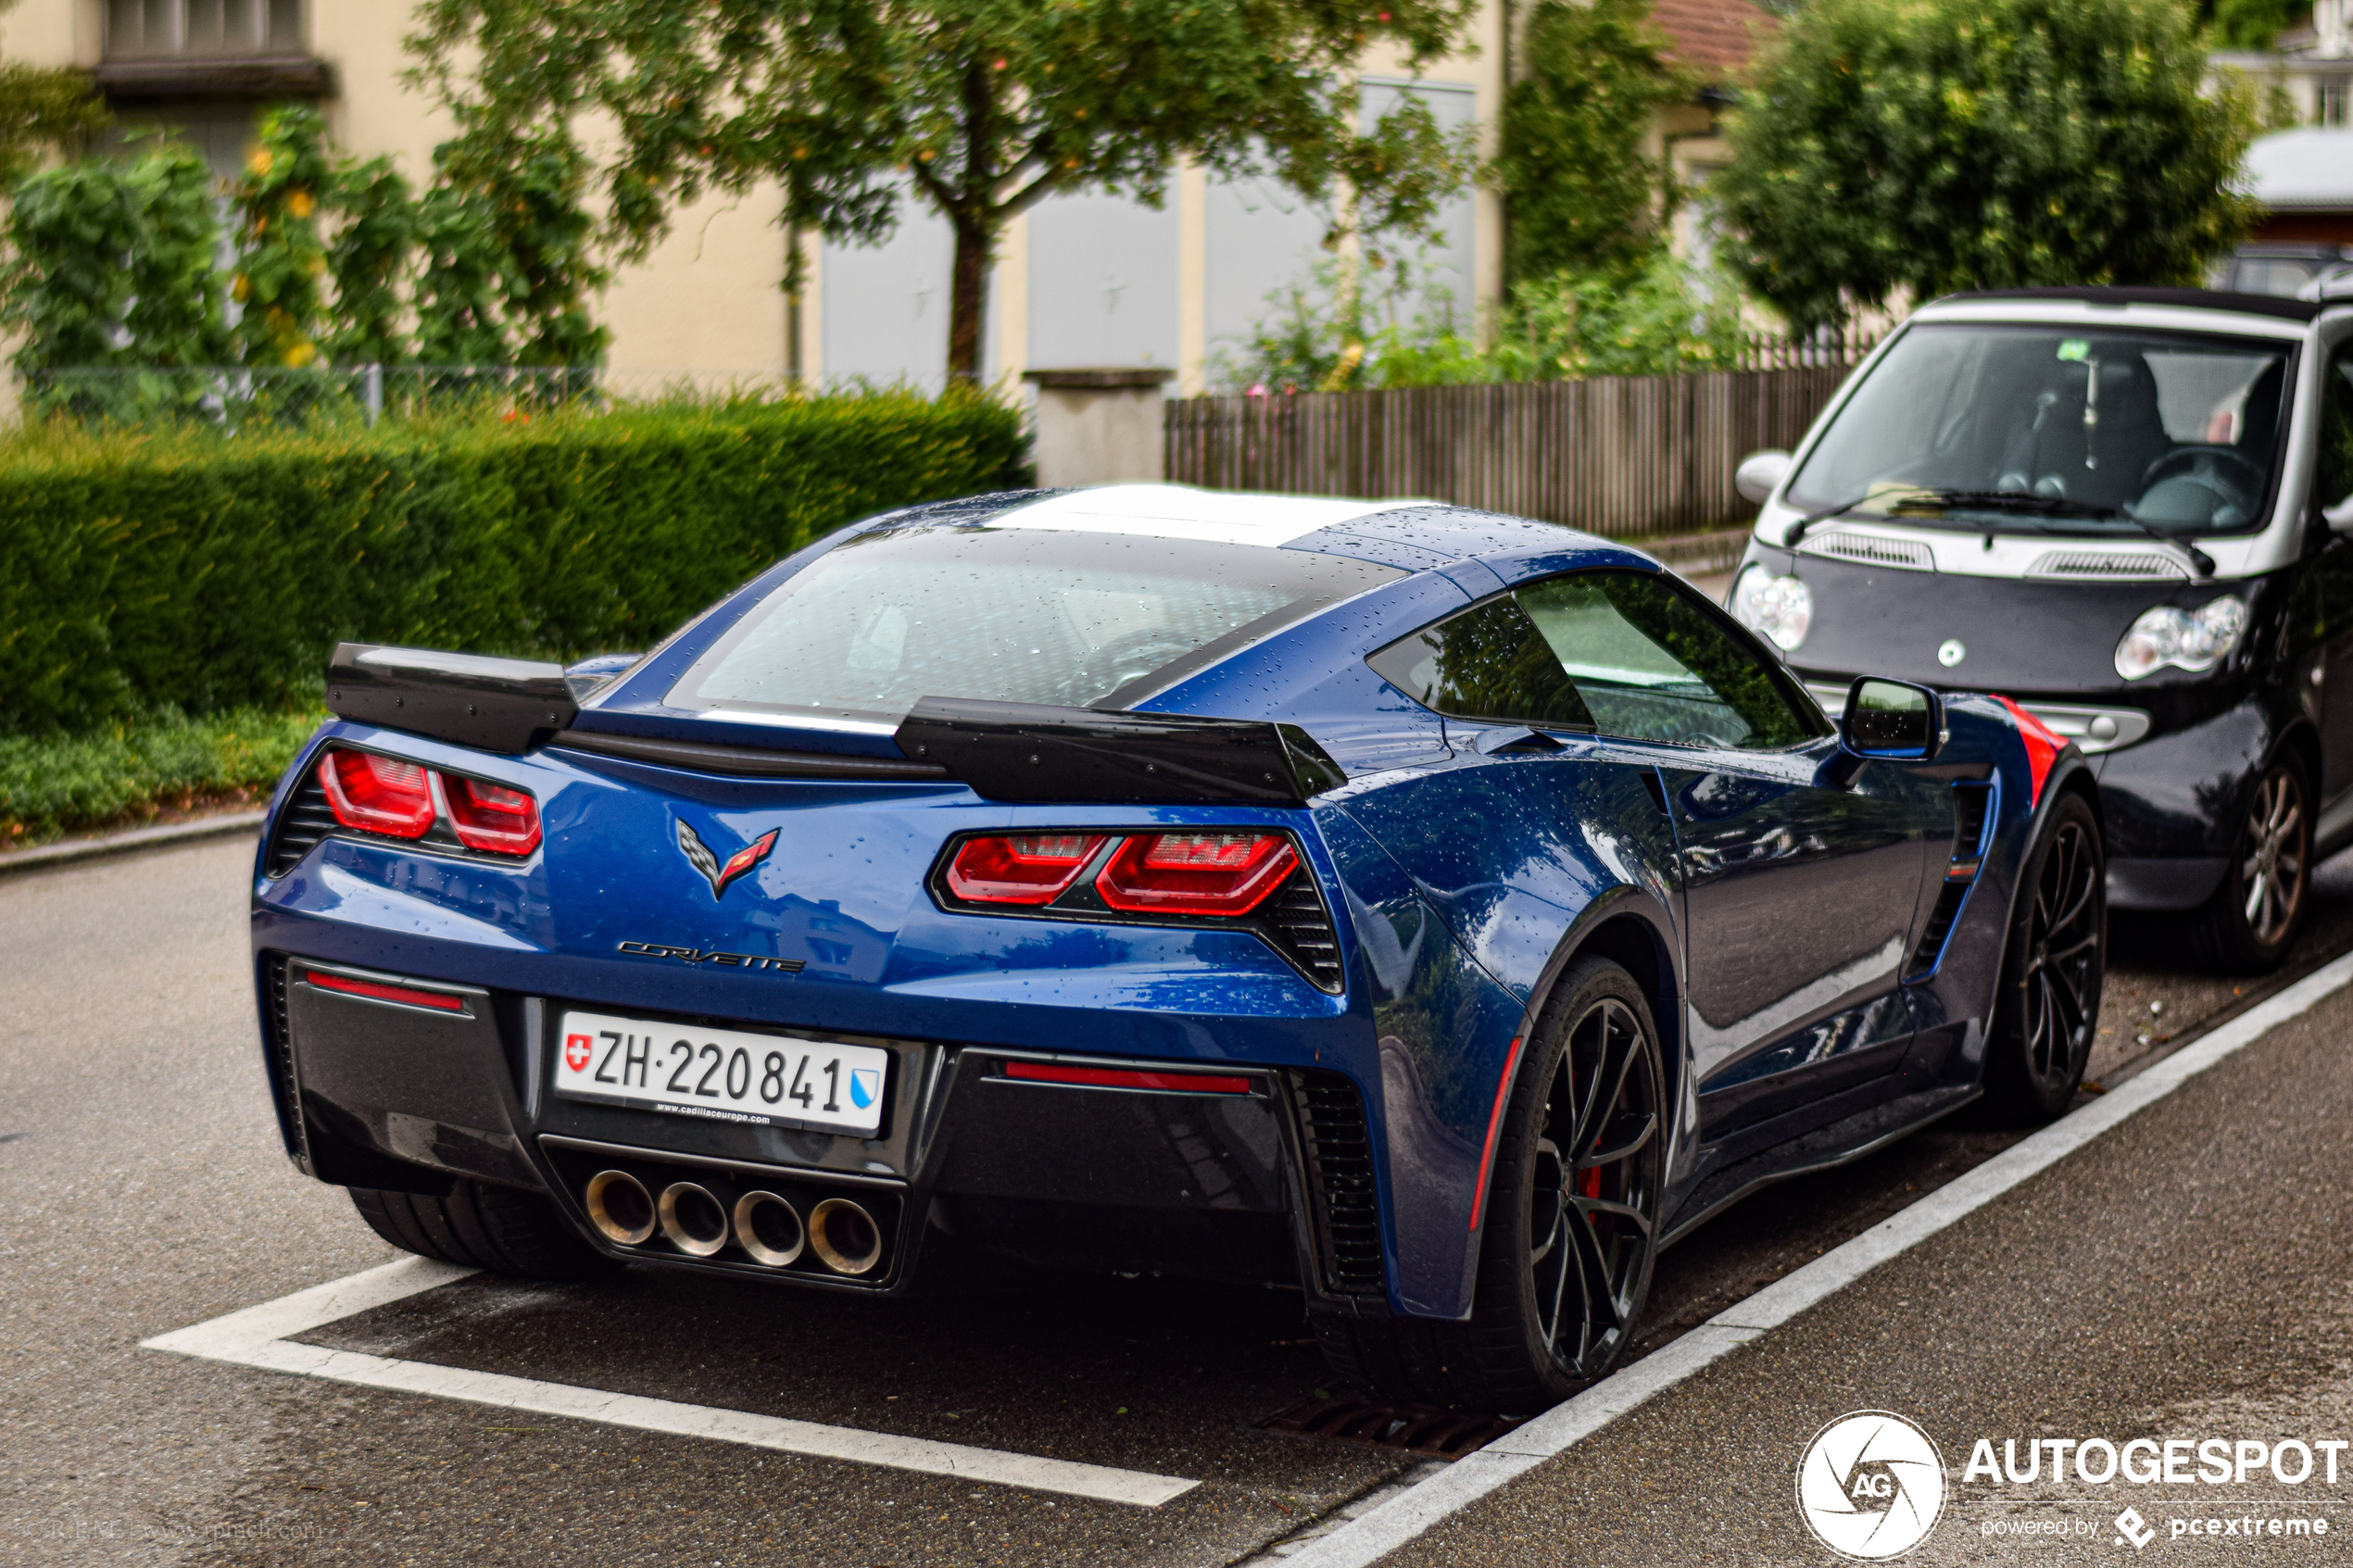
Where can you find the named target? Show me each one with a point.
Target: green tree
(1577, 189)
(282, 262)
(1942, 145)
(2254, 24)
(978, 109)
(114, 264)
(369, 260)
(41, 112)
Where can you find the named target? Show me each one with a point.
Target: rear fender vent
(1295, 921)
(307, 818)
(1973, 805)
(1339, 1152)
(277, 1045)
(1940, 925)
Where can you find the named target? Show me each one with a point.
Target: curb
(55, 855)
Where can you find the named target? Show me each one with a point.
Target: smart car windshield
(2058, 429)
(1035, 615)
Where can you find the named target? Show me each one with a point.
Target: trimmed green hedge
(122, 774)
(142, 572)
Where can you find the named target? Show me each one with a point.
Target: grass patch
(126, 775)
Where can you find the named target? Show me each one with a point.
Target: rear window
(1067, 619)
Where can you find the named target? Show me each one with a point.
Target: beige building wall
(707, 303)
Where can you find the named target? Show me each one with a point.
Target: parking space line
(1382, 1530)
(257, 1336)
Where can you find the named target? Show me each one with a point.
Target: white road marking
(1383, 1529)
(1177, 511)
(258, 1337)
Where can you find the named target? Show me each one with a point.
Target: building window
(2330, 102)
(198, 28)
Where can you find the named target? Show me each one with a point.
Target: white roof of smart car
(1179, 511)
(2215, 317)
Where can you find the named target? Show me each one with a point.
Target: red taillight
(1031, 868)
(377, 990)
(377, 794)
(489, 816)
(1196, 873)
(1126, 1078)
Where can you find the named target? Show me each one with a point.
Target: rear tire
(2256, 915)
(478, 1226)
(1571, 1224)
(2054, 964)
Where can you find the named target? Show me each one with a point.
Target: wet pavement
(146, 1192)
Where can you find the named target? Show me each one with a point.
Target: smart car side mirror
(2339, 517)
(1885, 721)
(1760, 473)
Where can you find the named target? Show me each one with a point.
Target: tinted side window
(1621, 652)
(2332, 484)
(1487, 662)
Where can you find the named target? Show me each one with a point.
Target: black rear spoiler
(1015, 751)
(1007, 751)
(492, 704)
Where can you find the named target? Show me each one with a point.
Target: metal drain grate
(1414, 1429)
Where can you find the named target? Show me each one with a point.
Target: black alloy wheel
(1592, 1208)
(2257, 913)
(2053, 965)
(1571, 1220)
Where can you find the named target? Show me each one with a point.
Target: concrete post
(1099, 426)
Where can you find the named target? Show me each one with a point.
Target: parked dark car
(1427, 911)
(2127, 509)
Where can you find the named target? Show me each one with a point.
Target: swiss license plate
(722, 1074)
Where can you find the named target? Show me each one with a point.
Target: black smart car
(2128, 510)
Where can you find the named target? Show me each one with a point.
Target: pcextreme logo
(1871, 1486)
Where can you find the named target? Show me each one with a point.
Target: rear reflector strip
(1123, 1078)
(440, 1001)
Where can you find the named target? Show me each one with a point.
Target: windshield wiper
(1796, 531)
(2199, 564)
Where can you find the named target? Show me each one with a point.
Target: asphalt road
(142, 1190)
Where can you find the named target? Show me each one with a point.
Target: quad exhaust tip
(769, 1228)
(845, 1236)
(695, 1222)
(619, 1206)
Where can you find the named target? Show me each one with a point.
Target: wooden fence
(1633, 457)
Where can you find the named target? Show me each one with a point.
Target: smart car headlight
(1778, 607)
(2186, 639)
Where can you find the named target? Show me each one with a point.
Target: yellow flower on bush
(260, 162)
(240, 288)
(299, 202)
(301, 354)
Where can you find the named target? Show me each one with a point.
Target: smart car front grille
(1338, 1151)
(306, 820)
(278, 1042)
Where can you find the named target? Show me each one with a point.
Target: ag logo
(1871, 1486)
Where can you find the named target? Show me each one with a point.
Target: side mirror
(1760, 473)
(2339, 517)
(1885, 721)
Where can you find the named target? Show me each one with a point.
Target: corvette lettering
(712, 955)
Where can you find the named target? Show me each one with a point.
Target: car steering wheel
(2203, 462)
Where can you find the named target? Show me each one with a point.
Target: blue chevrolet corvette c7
(1432, 912)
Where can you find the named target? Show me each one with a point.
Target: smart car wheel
(480, 1226)
(2254, 917)
(1572, 1220)
(2053, 965)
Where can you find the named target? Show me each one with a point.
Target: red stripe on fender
(2043, 745)
(441, 1001)
(1494, 1124)
(1124, 1078)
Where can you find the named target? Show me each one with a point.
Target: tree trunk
(967, 303)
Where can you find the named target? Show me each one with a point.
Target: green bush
(49, 786)
(183, 570)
